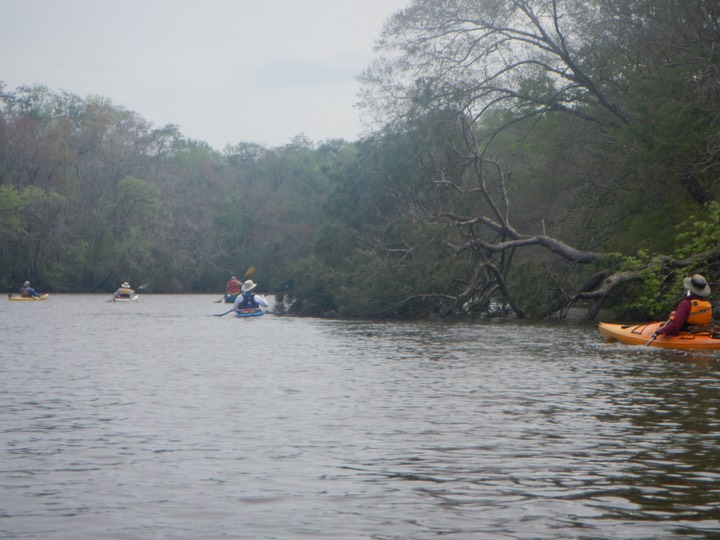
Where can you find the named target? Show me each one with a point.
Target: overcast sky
(224, 71)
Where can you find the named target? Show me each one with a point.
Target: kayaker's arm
(658, 331)
(677, 320)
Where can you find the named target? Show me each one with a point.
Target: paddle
(284, 287)
(656, 334)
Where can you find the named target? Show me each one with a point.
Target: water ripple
(155, 420)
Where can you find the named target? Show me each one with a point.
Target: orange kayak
(640, 334)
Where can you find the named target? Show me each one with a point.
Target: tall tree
(511, 69)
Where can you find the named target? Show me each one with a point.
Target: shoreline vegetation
(584, 174)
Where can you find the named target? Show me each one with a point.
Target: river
(159, 420)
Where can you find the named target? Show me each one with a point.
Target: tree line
(529, 156)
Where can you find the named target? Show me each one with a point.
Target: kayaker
(248, 300)
(233, 286)
(125, 291)
(26, 291)
(693, 310)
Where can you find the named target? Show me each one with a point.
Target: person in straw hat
(693, 310)
(247, 299)
(125, 291)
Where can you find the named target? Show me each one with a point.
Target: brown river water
(158, 420)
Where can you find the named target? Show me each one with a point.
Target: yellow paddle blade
(249, 271)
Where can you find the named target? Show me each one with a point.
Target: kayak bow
(249, 312)
(132, 298)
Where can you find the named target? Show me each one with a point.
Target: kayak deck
(132, 298)
(249, 312)
(641, 334)
(18, 298)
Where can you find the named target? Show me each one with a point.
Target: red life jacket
(233, 287)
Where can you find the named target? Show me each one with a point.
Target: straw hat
(248, 286)
(697, 284)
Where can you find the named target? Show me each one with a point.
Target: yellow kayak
(18, 298)
(641, 334)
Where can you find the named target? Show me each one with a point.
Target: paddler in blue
(248, 300)
(26, 291)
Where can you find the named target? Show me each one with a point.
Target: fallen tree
(493, 243)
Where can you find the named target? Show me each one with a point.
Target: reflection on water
(157, 420)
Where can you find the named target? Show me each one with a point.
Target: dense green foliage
(92, 195)
(659, 289)
(522, 146)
